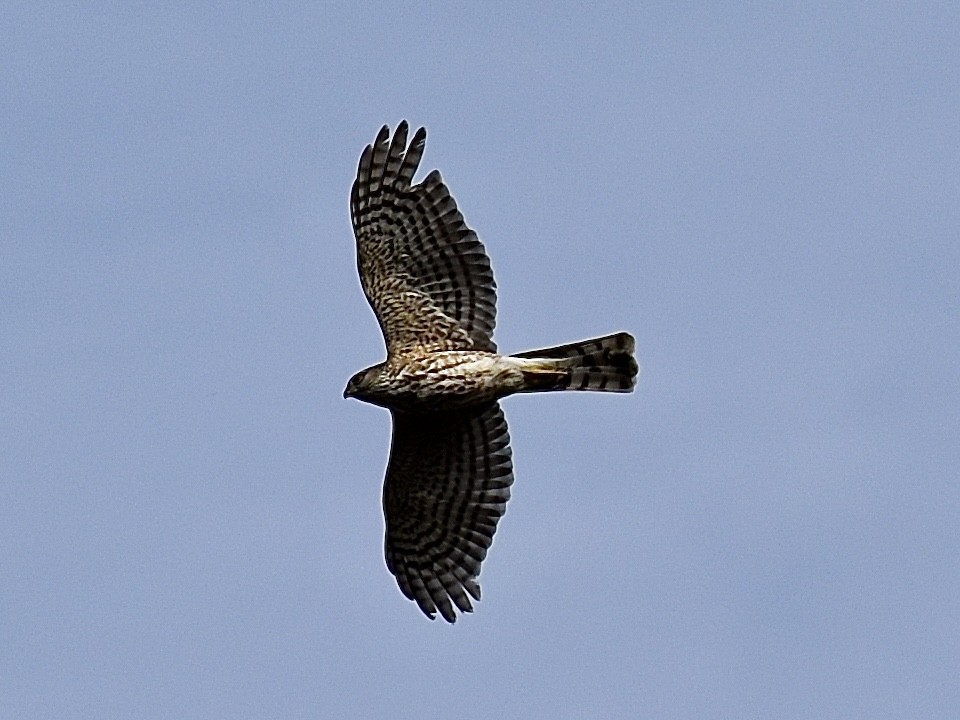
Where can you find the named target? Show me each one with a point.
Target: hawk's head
(360, 384)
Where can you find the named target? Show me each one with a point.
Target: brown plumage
(429, 282)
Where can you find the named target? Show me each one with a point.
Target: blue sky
(766, 196)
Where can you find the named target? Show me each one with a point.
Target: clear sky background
(768, 197)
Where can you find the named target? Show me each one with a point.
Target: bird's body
(448, 378)
(461, 378)
(429, 281)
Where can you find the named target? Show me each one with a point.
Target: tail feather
(604, 364)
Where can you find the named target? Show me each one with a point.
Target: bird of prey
(428, 279)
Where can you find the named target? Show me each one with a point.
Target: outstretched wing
(424, 272)
(448, 482)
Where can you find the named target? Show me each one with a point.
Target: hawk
(428, 279)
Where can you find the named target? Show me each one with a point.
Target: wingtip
(403, 127)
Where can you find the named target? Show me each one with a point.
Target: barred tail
(605, 363)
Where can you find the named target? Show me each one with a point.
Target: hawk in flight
(429, 282)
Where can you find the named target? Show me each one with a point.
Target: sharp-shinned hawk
(429, 281)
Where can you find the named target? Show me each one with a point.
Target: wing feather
(424, 271)
(447, 486)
